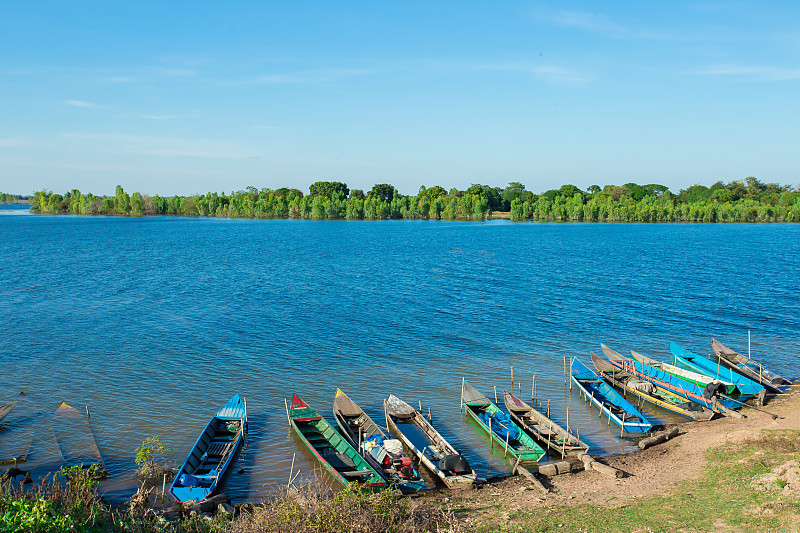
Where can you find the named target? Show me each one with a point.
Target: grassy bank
(751, 485)
(735, 493)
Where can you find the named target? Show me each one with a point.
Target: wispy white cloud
(751, 72)
(14, 142)
(549, 73)
(312, 76)
(80, 103)
(601, 24)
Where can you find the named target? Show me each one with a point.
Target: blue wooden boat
(610, 403)
(200, 475)
(679, 386)
(692, 361)
(754, 370)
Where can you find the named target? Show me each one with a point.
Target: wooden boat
(701, 380)
(713, 368)
(75, 440)
(211, 456)
(14, 452)
(674, 384)
(436, 453)
(770, 380)
(500, 426)
(608, 401)
(556, 438)
(650, 392)
(384, 454)
(6, 408)
(331, 449)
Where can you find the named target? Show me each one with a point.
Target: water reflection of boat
(436, 453)
(6, 408)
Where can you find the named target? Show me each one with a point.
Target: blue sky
(188, 97)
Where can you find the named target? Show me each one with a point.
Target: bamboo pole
(565, 371)
(520, 388)
(288, 418)
(506, 453)
(87, 413)
(548, 408)
(570, 371)
(429, 414)
(533, 389)
(291, 468)
(164, 486)
(420, 406)
(512, 378)
(491, 435)
(461, 405)
(495, 394)
(245, 411)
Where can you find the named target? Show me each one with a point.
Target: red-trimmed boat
(332, 450)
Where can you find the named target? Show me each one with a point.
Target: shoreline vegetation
(719, 475)
(747, 200)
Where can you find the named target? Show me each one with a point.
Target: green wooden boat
(505, 432)
(332, 450)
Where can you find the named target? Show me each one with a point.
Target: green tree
(383, 191)
(328, 188)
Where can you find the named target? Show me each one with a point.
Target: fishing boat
(610, 403)
(547, 432)
(701, 380)
(211, 456)
(14, 451)
(331, 449)
(713, 368)
(650, 392)
(6, 408)
(386, 455)
(436, 453)
(674, 384)
(500, 426)
(770, 380)
(75, 440)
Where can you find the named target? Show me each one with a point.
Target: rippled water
(153, 323)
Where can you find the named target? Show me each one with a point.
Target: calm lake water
(153, 323)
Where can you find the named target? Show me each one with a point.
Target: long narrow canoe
(205, 467)
(384, 454)
(75, 439)
(547, 432)
(6, 408)
(608, 401)
(650, 392)
(437, 455)
(334, 453)
(674, 384)
(701, 380)
(714, 369)
(770, 380)
(500, 426)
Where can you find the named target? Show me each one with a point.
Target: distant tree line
(738, 201)
(8, 198)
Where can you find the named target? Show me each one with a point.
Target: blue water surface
(153, 323)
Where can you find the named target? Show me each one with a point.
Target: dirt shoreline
(652, 472)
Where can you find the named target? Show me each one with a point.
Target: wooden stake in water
(291, 468)
(491, 436)
(420, 406)
(164, 486)
(570, 371)
(461, 405)
(495, 394)
(520, 389)
(533, 389)
(565, 371)
(548, 408)
(87, 412)
(288, 418)
(512, 379)
(429, 414)
(506, 452)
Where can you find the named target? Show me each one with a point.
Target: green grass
(721, 500)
